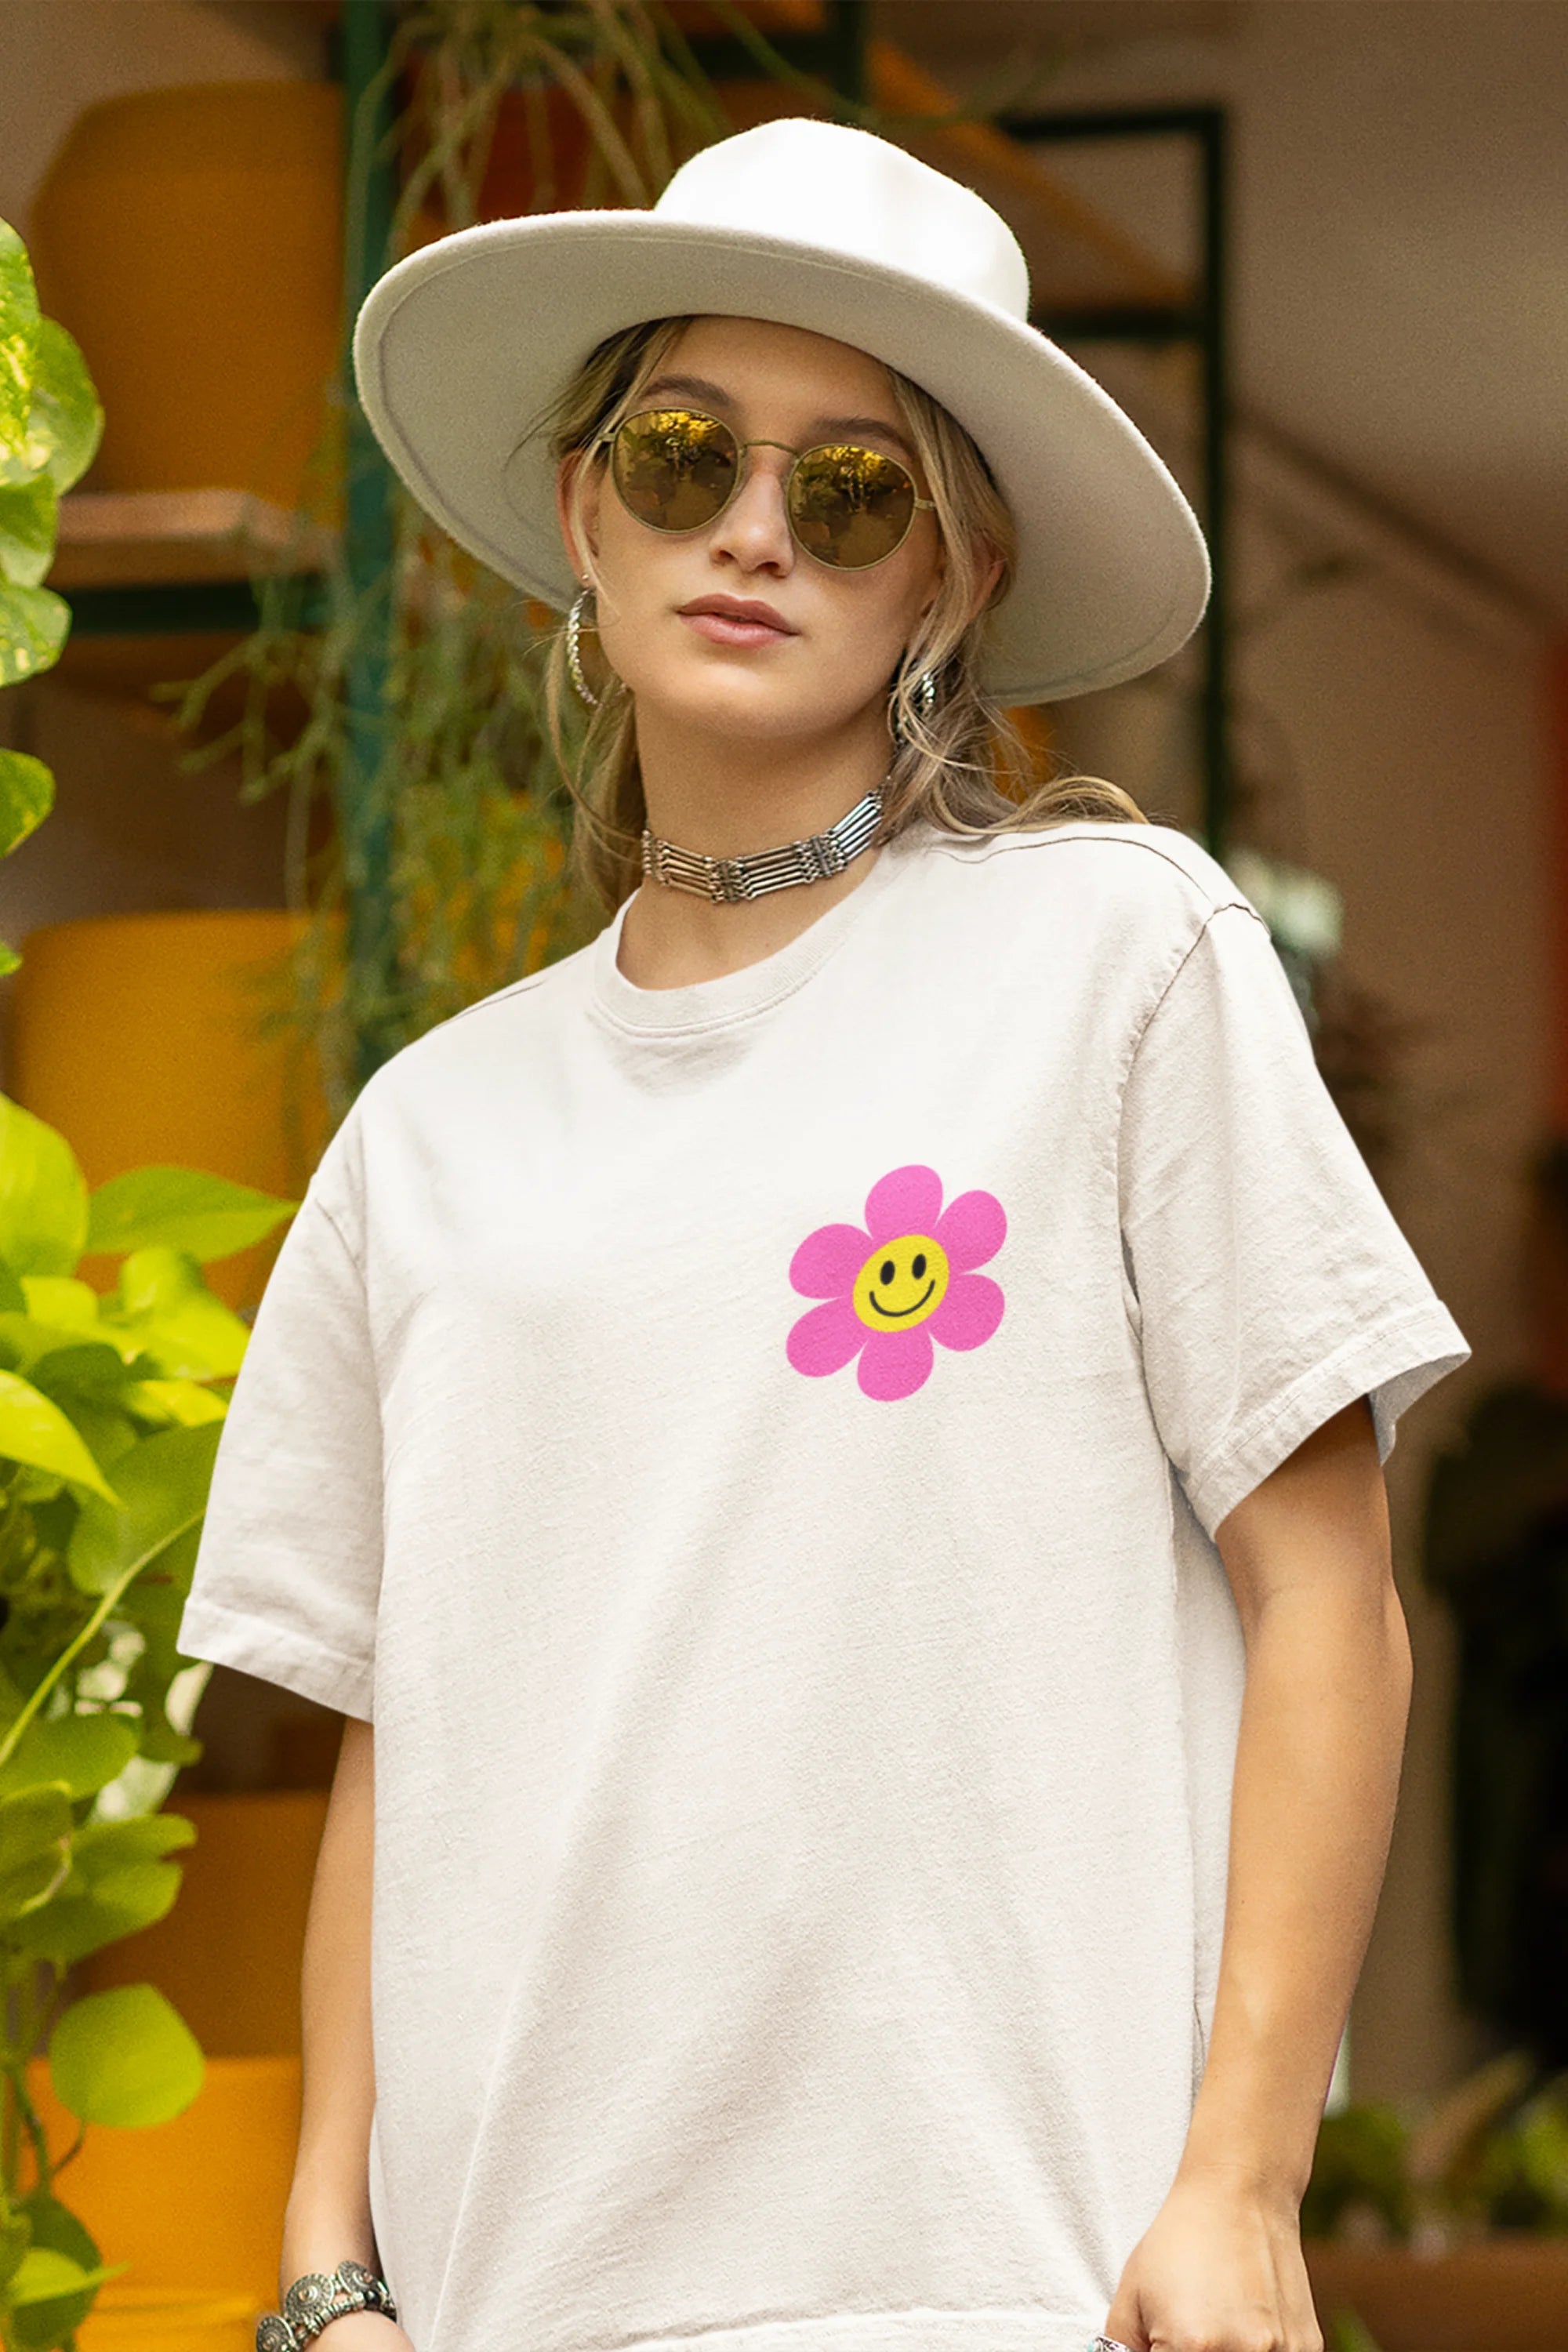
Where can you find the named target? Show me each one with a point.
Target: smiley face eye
(886, 1271)
(919, 1264)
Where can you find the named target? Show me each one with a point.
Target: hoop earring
(924, 696)
(574, 649)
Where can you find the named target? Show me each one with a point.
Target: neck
(731, 796)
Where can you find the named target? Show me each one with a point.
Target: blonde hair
(965, 766)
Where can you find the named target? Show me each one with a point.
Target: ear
(988, 573)
(566, 476)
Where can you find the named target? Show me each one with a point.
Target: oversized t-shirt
(753, 1450)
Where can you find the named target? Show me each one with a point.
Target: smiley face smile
(903, 1281)
(902, 1311)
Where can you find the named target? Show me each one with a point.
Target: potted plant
(109, 1410)
(1443, 2226)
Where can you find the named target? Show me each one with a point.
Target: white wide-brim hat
(460, 348)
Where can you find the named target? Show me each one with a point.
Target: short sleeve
(287, 1569)
(1271, 1285)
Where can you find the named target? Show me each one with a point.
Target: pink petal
(895, 1364)
(970, 1312)
(905, 1201)
(827, 1261)
(972, 1229)
(825, 1340)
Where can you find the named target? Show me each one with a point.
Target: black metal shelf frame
(1202, 322)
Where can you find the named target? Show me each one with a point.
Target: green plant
(110, 1407)
(1346, 2331)
(1360, 2160)
(52, 423)
(1490, 2154)
(109, 1412)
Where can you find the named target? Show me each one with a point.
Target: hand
(1219, 2269)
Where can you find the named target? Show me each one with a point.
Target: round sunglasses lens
(674, 470)
(850, 507)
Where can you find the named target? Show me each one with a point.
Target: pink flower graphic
(896, 1283)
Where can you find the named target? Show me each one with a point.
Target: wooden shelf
(118, 539)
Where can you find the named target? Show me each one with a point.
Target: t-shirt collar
(739, 996)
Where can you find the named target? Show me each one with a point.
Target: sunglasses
(677, 469)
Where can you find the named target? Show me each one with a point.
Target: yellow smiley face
(901, 1283)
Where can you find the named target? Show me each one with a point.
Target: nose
(753, 530)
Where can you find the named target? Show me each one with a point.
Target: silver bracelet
(319, 2296)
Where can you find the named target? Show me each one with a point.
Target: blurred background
(1316, 247)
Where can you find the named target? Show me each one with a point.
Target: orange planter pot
(191, 239)
(228, 1954)
(194, 2206)
(159, 2322)
(139, 1036)
(1503, 2294)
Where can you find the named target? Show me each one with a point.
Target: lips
(736, 621)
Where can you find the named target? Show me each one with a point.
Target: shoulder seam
(347, 1246)
(1226, 906)
(497, 995)
(1051, 836)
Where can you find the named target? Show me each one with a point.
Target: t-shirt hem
(227, 1637)
(1392, 1363)
(1026, 2327)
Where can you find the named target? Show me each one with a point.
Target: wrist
(1266, 2180)
(317, 2300)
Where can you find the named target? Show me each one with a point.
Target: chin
(742, 705)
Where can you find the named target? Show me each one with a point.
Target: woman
(834, 1434)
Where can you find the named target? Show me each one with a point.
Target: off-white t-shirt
(753, 1449)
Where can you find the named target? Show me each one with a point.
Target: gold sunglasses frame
(607, 441)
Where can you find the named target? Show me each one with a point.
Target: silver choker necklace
(812, 859)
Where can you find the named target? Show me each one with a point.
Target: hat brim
(460, 348)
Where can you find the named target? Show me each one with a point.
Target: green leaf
(26, 1340)
(34, 1430)
(19, 322)
(126, 2057)
(163, 1303)
(45, 2276)
(29, 524)
(46, 2325)
(43, 1195)
(104, 1846)
(85, 1751)
(163, 1484)
(14, 2237)
(28, 1887)
(34, 626)
(182, 1208)
(27, 796)
(64, 425)
(155, 1601)
(174, 1402)
(36, 1827)
(82, 1367)
(122, 1903)
(1347, 2331)
(62, 1299)
(105, 1432)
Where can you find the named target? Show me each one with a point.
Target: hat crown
(848, 192)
